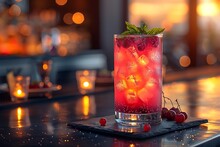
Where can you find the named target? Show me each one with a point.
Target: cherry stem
(178, 105)
(167, 98)
(164, 100)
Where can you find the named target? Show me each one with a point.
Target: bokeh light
(78, 18)
(211, 59)
(25, 30)
(67, 18)
(62, 51)
(207, 9)
(64, 38)
(61, 2)
(184, 61)
(14, 10)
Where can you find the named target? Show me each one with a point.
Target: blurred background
(65, 28)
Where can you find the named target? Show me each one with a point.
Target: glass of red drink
(138, 79)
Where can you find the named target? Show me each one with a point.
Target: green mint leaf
(154, 31)
(126, 33)
(143, 29)
(132, 27)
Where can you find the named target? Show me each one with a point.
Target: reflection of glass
(86, 80)
(44, 69)
(19, 118)
(138, 78)
(20, 88)
(86, 106)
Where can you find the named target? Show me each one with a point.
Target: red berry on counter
(102, 121)
(179, 118)
(147, 127)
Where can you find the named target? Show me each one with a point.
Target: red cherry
(171, 115)
(179, 118)
(164, 112)
(102, 121)
(175, 109)
(185, 114)
(147, 127)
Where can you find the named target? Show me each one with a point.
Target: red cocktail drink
(138, 78)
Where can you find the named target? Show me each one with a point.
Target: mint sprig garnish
(143, 29)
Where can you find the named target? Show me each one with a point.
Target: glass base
(129, 119)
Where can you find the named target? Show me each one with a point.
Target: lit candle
(86, 84)
(86, 80)
(19, 93)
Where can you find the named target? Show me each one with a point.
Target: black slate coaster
(114, 129)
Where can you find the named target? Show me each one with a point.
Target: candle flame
(86, 84)
(19, 91)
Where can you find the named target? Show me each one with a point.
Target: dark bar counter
(42, 121)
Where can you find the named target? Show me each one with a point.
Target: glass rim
(137, 35)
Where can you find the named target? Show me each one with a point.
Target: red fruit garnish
(127, 42)
(153, 41)
(118, 42)
(141, 43)
(102, 121)
(171, 115)
(179, 118)
(175, 109)
(185, 114)
(164, 112)
(147, 127)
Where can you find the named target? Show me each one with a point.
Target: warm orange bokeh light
(207, 9)
(137, 12)
(62, 51)
(25, 30)
(211, 59)
(184, 61)
(61, 2)
(64, 38)
(14, 10)
(48, 15)
(45, 66)
(78, 18)
(67, 18)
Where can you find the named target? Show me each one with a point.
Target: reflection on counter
(86, 106)
(195, 96)
(19, 118)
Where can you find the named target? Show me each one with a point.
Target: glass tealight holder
(86, 80)
(19, 91)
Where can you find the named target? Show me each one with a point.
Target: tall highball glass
(138, 79)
